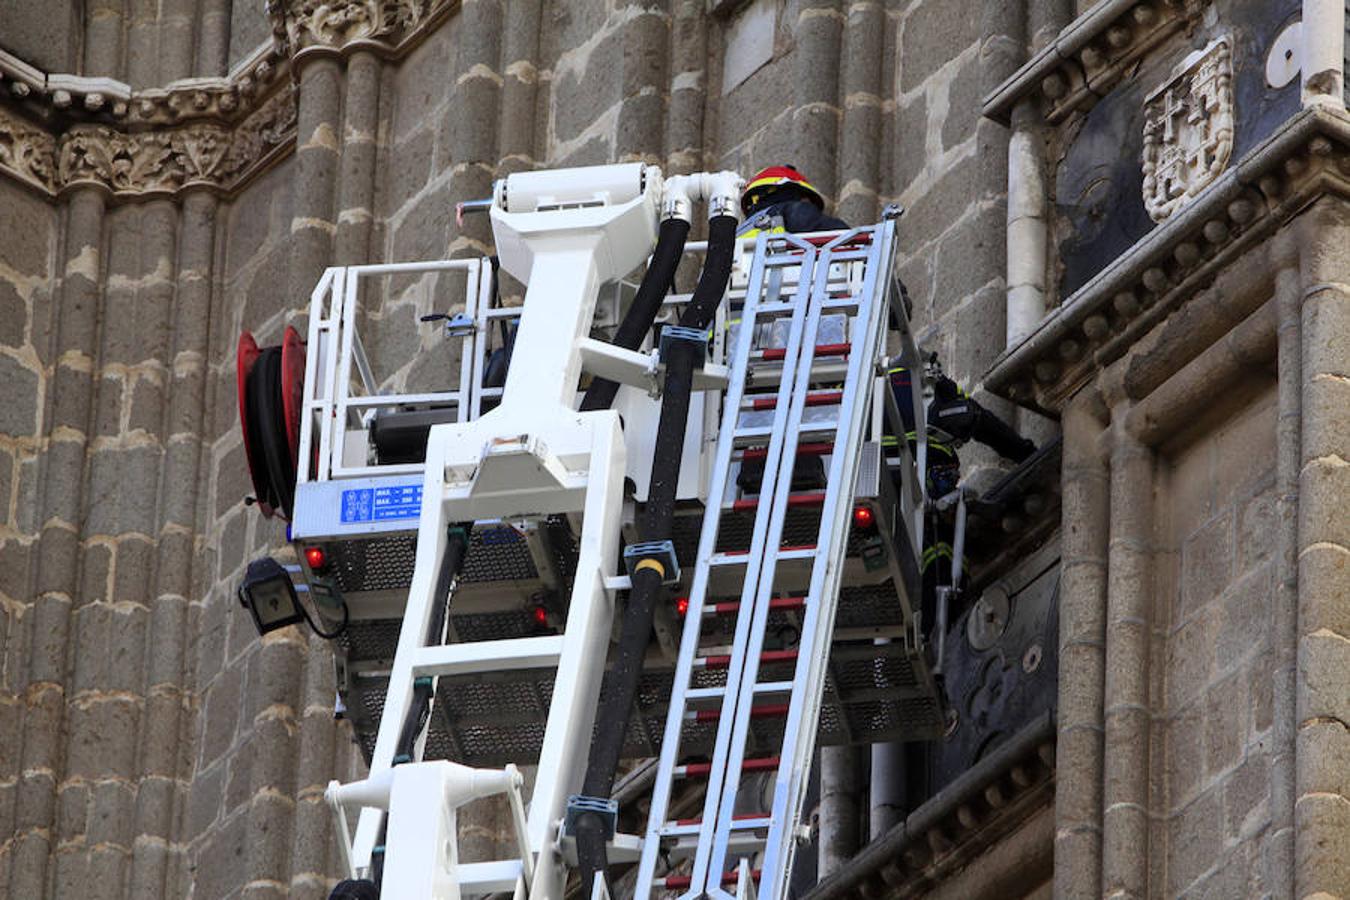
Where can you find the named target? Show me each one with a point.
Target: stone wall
(1214, 662)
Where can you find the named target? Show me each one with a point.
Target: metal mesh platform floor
(874, 692)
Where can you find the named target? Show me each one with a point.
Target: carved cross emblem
(1188, 130)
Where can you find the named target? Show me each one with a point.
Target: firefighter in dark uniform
(780, 199)
(954, 417)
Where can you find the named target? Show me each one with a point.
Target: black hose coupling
(656, 555)
(695, 337)
(605, 811)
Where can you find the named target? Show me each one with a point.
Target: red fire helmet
(775, 177)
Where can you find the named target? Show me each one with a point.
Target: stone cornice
(59, 100)
(59, 130)
(1091, 55)
(1307, 157)
(985, 804)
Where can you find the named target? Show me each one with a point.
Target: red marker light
(681, 605)
(863, 518)
(540, 615)
(316, 558)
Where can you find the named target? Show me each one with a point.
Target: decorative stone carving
(27, 152)
(300, 24)
(147, 163)
(1188, 130)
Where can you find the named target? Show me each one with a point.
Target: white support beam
(488, 656)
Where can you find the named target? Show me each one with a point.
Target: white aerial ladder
(806, 637)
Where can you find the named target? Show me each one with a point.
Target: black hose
(645, 307)
(621, 680)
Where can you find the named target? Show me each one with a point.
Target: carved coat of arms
(1188, 130)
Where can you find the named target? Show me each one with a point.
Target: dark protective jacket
(955, 413)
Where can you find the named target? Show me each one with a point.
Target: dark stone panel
(996, 690)
(1099, 201)
(1099, 189)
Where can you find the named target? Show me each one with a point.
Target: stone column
(1322, 810)
(316, 164)
(177, 22)
(838, 808)
(356, 187)
(1284, 621)
(1045, 20)
(103, 26)
(141, 68)
(688, 87)
(1082, 644)
(815, 73)
(1125, 823)
(161, 771)
(859, 149)
(643, 83)
(469, 133)
(520, 79)
(58, 555)
(276, 671)
(213, 38)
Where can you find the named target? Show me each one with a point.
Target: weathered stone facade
(172, 173)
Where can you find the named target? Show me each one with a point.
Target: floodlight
(269, 596)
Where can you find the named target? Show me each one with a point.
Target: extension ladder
(817, 388)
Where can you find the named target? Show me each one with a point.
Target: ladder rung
(765, 711)
(844, 301)
(703, 770)
(739, 822)
(730, 607)
(741, 557)
(763, 431)
(770, 354)
(720, 690)
(677, 882)
(814, 498)
(813, 398)
(721, 661)
(820, 448)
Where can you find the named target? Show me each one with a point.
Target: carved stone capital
(300, 25)
(27, 152)
(135, 165)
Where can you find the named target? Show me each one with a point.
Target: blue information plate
(382, 503)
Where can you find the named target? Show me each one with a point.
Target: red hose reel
(271, 383)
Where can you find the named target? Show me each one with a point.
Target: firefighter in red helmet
(779, 199)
